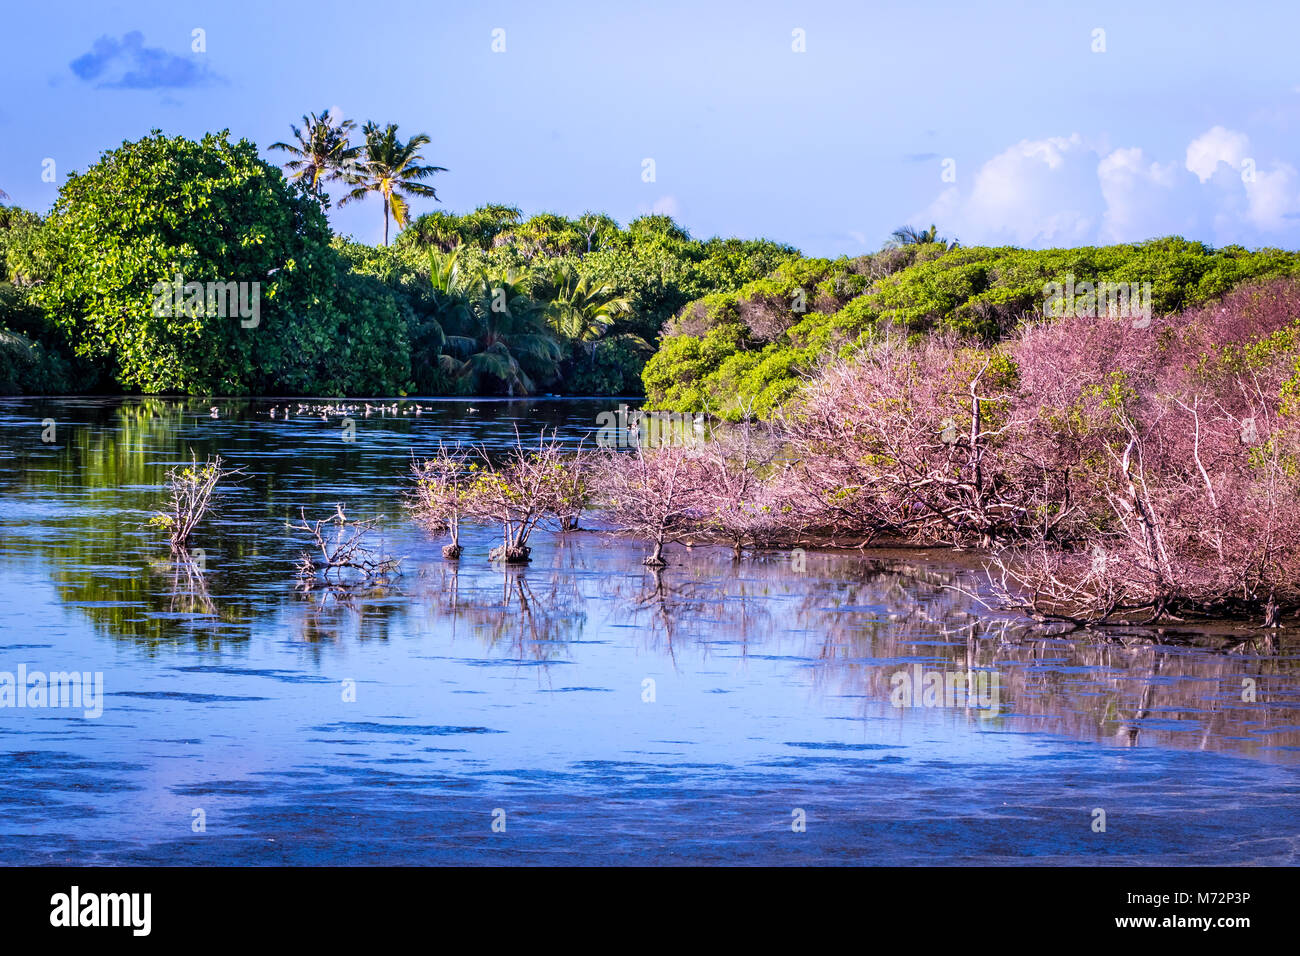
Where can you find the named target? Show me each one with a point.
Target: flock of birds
(365, 410)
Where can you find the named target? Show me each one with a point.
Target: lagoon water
(602, 713)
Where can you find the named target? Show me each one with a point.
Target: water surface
(605, 713)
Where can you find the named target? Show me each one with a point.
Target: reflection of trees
(527, 614)
(863, 619)
(1101, 685)
(80, 503)
(189, 590)
(79, 506)
(660, 602)
(699, 601)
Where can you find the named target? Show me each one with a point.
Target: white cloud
(1214, 146)
(1030, 194)
(663, 206)
(1062, 190)
(1140, 197)
(1273, 198)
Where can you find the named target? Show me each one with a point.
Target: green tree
(435, 230)
(497, 337)
(217, 215)
(16, 224)
(392, 168)
(323, 153)
(581, 309)
(910, 236)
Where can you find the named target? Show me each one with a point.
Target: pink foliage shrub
(719, 491)
(1182, 459)
(1112, 470)
(912, 441)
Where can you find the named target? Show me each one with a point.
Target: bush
(29, 368)
(1117, 470)
(979, 293)
(15, 226)
(212, 212)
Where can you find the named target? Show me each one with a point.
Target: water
(484, 694)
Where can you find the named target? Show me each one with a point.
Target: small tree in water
(734, 504)
(571, 484)
(518, 493)
(649, 493)
(440, 498)
(190, 491)
(343, 557)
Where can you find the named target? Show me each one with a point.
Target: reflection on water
(616, 713)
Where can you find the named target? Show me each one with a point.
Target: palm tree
(545, 234)
(497, 330)
(391, 168)
(324, 152)
(582, 310)
(447, 276)
(486, 223)
(435, 230)
(909, 236)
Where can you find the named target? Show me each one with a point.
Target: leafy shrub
(976, 292)
(210, 211)
(29, 368)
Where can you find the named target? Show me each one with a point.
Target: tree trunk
(510, 554)
(1271, 613)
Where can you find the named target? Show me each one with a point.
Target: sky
(824, 125)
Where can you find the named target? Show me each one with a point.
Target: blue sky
(1188, 121)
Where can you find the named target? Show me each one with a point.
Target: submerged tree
(733, 503)
(518, 492)
(572, 476)
(441, 493)
(344, 557)
(650, 493)
(189, 499)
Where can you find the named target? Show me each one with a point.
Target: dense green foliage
(597, 293)
(211, 212)
(743, 354)
(653, 263)
(29, 361)
(488, 302)
(519, 307)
